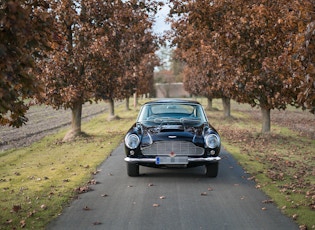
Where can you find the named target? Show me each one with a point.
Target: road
(162, 199)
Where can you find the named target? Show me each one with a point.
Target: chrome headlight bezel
(132, 141)
(212, 141)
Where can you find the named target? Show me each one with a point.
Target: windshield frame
(183, 112)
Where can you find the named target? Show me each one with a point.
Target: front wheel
(212, 169)
(132, 170)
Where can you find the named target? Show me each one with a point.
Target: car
(172, 133)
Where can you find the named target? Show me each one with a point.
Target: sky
(160, 25)
(159, 28)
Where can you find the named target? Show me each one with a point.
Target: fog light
(132, 152)
(212, 152)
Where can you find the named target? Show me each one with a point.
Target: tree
(249, 38)
(116, 65)
(301, 59)
(196, 48)
(89, 60)
(24, 32)
(63, 71)
(306, 76)
(145, 83)
(266, 32)
(177, 66)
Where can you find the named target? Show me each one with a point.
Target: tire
(212, 169)
(132, 170)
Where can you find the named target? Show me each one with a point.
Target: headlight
(212, 141)
(132, 141)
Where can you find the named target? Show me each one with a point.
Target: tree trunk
(265, 120)
(76, 115)
(127, 104)
(135, 100)
(209, 104)
(226, 106)
(111, 108)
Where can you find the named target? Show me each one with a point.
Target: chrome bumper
(190, 159)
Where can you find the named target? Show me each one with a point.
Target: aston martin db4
(172, 133)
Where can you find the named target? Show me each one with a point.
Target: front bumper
(190, 159)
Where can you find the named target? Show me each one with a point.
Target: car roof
(169, 101)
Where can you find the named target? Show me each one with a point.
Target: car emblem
(172, 154)
(172, 137)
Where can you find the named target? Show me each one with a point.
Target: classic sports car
(172, 133)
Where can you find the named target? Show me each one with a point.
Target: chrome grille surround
(179, 148)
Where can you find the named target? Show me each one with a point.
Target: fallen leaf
(267, 201)
(16, 208)
(210, 189)
(203, 194)
(156, 205)
(22, 223)
(251, 178)
(93, 181)
(295, 216)
(162, 197)
(9, 221)
(31, 213)
(104, 195)
(264, 208)
(97, 223)
(150, 185)
(43, 206)
(83, 189)
(96, 172)
(303, 227)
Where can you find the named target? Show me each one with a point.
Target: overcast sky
(160, 25)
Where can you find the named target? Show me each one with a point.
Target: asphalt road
(172, 199)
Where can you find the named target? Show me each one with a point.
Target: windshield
(159, 113)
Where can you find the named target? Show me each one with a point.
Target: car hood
(172, 132)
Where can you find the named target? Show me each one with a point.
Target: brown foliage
(238, 47)
(24, 32)
(92, 50)
(98, 53)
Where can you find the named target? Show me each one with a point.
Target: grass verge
(282, 162)
(37, 182)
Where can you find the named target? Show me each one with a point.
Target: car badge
(172, 154)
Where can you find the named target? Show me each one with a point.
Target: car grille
(180, 148)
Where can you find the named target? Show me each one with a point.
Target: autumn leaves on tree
(256, 52)
(98, 50)
(24, 35)
(68, 52)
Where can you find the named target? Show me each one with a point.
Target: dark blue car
(172, 133)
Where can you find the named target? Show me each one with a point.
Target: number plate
(180, 160)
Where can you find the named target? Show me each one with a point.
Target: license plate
(180, 160)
